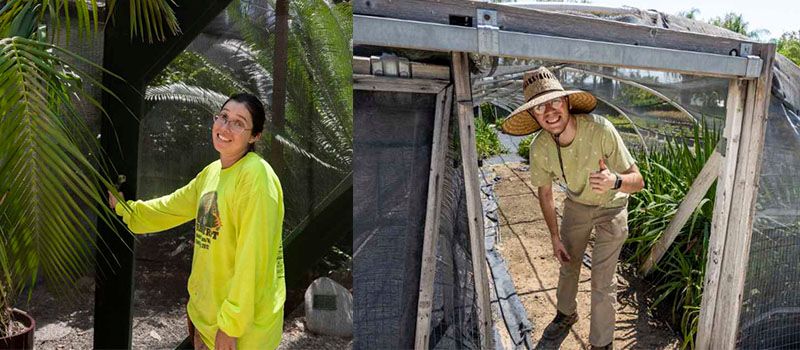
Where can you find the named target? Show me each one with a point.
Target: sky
(777, 16)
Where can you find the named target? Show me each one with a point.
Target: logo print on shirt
(208, 222)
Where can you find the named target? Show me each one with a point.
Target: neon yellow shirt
(595, 138)
(237, 282)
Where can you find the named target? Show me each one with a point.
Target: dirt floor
(163, 263)
(525, 244)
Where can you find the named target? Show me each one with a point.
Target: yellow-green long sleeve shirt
(237, 281)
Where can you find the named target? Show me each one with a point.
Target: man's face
(553, 115)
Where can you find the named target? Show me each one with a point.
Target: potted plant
(49, 177)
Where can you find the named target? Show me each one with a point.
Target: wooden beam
(469, 156)
(696, 193)
(361, 65)
(439, 148)
(429, 71)
(378, 83)
(737, 90)
(532, 21)
(279, 72)
(742, 211)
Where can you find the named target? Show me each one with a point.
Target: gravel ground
(163, 263)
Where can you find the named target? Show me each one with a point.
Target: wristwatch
(618, 183)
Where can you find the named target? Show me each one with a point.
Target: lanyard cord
(560, 162)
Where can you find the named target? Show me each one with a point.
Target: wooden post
(696, 194)
(469, 155)
(742, 210)
(737, 90)
(279, 73)
(439, 148)
(727, 263)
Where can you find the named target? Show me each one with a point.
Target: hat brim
(521, 123)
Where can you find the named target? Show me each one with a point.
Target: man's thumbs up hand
(602, 180)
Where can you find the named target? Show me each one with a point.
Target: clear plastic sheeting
(770, 311)
(646, 107)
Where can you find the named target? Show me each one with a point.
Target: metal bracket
(745, 49)
(754, 65)
(488, 32)
(403, 67)
(376, 65)
(722, 146)
(390, 65)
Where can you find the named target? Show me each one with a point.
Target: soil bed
(525, 244)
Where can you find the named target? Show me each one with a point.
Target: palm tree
(49, 172)
(318, 130)
(736, 23)
(691, 14)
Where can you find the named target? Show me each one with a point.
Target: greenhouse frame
(559, 33)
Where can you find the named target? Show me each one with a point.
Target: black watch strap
(618, 183)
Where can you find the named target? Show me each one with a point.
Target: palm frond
(221, 73)
(209, 100)
(327, 58)
(253, 64)
(288, 143)
(48, 180)
(148, 18)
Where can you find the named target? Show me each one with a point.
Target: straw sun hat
(541, 86)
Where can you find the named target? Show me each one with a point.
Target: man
(586, 155)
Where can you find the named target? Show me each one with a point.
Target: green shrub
(668, 175)
(524, 147)
(488, 143)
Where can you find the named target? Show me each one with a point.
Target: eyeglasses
(554, 103)
(235, 126)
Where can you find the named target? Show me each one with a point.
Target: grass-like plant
(669, 173)
(524, 147)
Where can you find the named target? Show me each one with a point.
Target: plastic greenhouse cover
(770, 314)
(647, 107)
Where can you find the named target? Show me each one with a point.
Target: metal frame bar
(379, 31)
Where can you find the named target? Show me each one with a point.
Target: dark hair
(256, 109)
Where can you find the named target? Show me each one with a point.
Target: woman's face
(235, 136)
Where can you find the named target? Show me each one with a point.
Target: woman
(236, 288)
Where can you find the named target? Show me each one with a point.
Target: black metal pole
(113, 313)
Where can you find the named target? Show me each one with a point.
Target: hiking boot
(560, 325)
(610, 346)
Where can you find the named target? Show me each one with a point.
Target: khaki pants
(611, 230)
